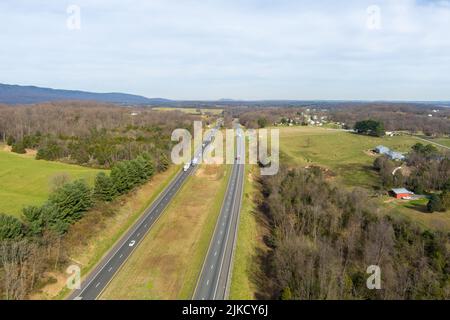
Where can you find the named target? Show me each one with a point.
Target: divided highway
(97, 281)
(214, 280)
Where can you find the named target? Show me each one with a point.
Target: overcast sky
(246, 49)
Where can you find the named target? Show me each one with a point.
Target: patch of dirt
(327, 173)
(371, 153)
(28, 152)
(31, 152)
(58, 281)
(210, 172)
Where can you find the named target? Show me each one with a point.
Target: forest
(89, 133)
(323, 238)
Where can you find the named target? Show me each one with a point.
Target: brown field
(167, 263)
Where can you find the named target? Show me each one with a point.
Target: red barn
(401, 193)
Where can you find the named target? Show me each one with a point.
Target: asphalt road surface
(97, 281)
(214, 280)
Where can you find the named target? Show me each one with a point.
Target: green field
(442, 141)
(25, 181)
(344, 153)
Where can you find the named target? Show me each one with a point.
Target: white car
(195, 161)
(186, 166)
(132, 243)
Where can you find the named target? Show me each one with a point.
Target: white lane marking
(212, 266)
(145, 225)
(97, 284)
(207, 283)
(215, 253)
(138, 234)
(109, 270)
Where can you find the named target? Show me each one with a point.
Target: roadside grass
(250, 243)
(166, 265)
(25, 181)
(90, 239)
(344, 153)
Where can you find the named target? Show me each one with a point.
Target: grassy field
(249, 244)
(344, 153)
(167, 263)
(417, 212)
(442, 141)
(191, 110)
(25, 181)
(93, 236)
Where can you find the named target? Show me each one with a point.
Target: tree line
(24, 243)
(90, 134)
(324, 237)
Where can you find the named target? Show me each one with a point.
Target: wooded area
(88, 133)
(323, 238)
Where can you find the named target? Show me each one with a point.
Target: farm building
(393, 155)
(381, 149)
(400, 193)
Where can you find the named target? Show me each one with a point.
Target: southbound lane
(214, 280)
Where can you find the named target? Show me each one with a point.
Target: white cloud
(240, 49)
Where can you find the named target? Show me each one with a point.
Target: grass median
(167, 263)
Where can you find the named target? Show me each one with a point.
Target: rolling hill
(15, 94)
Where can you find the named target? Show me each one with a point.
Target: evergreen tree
(163, 163)
(119, 176)
(70, 202)
(18, 147)
(435, 203)
(10, 228)
(34, 218)
(104, 189)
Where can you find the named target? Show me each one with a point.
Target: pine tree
(70, 202)
(10, 227)
(104, 189)
(435, 203)
(119, 176)
(163, 164)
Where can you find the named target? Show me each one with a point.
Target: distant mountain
(14, 94)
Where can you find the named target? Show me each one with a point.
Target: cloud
(191, 49)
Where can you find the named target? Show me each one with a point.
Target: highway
(214, 279)
(100, 277)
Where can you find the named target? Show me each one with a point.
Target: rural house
(400, 193)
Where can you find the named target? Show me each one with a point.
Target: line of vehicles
(205, 143)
